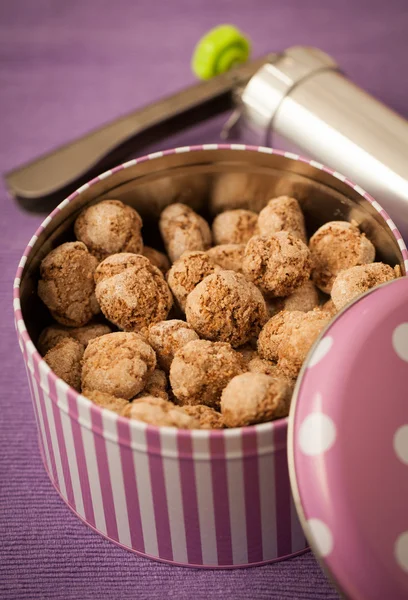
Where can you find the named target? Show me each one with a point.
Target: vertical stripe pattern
(203, 498)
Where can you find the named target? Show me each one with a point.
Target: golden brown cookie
(226, 307)
(65, 360)
(337, 246)
(118, 364)
(234, 226)
(132, 292)
(278, 264)
(183, 230)
(282, 214)
(353, 282)
(167, 337)
(109, 227)
(67, 285)
(253, 398)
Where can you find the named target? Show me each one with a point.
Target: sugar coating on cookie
(156, 385)
(353, 282)
(228, 256)
(234, 226)
(187, 272)
(278, 264)
(183, 230)
(159, 412)
(201, 369)
(132, 292)
(106, 400)
(336, 246)
(282, 214)
(207, 417)
(158, 259)
(296, 344)
(275, 331)
(54, 333)
(67, 285)
(167, 337)
(226, 307)
(65, 360)
(253, 398)
(118, 364)
(109, 227)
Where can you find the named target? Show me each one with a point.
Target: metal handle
(40, 184)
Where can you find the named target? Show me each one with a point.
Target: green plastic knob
(219, 50)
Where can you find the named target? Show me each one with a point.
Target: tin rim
(42, 371)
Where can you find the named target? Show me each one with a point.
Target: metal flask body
(302, 102)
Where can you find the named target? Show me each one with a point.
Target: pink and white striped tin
(196, 498)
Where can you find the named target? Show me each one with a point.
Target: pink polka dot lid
(348, 446)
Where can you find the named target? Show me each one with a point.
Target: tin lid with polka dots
(348, 446)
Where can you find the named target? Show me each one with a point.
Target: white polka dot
(401, 443)
(321, 350)
(317, 434)
(400, 340)
(321, 536)
(401, 550)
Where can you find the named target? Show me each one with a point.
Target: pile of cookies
(212, 334)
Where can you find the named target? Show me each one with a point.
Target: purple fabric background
(66, 67)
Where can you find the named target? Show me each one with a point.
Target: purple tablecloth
(66, 67)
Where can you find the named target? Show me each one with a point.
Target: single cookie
(109, 227)
(234, 226)
(67, 285)
(253, 398)
(132, 292)
(167, 337)
(159, 412)
(201, 369)
(226, 307)
(337, 246)
(277, 264)
(183, 230)
(65, 360)
(275, 332)
(118, 364)
(187, 272)
(282, 214)
(353, 282)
